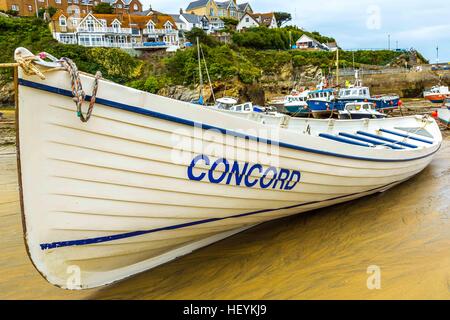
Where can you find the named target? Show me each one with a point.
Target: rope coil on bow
(26, 63)
(79, 96)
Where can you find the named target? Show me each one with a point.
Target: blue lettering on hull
(222, 171)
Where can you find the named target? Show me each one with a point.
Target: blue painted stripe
(386, 139)
(71, 243)
(343, 140)
(406, 136)
(162, 116)
(373, 141)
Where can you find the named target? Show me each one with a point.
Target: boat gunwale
(167, 117)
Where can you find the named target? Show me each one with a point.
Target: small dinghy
(443, 114)
(144, 179)
(360, 110)
(437, 94)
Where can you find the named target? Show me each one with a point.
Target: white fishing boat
(148, 179)
(437, 94)
(360, 110)
(443, 114)
(231, 104)
(294, 103)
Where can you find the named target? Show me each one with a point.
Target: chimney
(181, 10)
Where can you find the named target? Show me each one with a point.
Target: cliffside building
(31, 7)
(115, 30)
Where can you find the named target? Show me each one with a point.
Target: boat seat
(406, 136)
(369, 140)
(344, 140)
(374, 136)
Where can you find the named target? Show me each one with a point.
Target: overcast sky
(420, 24)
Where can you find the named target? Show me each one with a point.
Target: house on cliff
(308, 43)
(30, 7)
(252, 20)
(155, 31)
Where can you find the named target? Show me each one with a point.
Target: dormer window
(62, 21)
(168, 26)
(90, 24)
(150, 27)
(116, 26)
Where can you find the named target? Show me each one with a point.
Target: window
(116, 26)
(135, 7)
(90, 24)
(119, 6)
(41, 0)
(211, 12)
(14, 7)
(84, 40)
(58, 1)
(62, 21)
(247, 19)
(30, 8)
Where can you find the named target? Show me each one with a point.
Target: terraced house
(252, 20)
(28, 7)
(153, 31)
(215, 10)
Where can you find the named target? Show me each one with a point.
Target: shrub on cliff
(223, 64)
(34, 34)
(203, 38)
(262, 38)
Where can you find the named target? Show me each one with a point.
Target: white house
(115, 30)
(307, 43)
(252, 20)
(187, 22)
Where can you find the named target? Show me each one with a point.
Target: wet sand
(317, 255)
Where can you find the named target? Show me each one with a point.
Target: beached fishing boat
(437, 94)
(329, 103)
(443, 114)
(360, 110)
(294, 103)
(148, 179)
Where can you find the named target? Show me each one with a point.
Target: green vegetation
(195, 33)
(263, 38)
(254, 54)
(230, 24)
(282, 18)
(103, 7)
(50, 11)
(34, 34)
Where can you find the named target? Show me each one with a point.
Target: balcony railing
(139, 45)
(105, 30)
(107, 44)
(159, 31)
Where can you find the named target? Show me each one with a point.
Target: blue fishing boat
(322, 102)
(360, 93)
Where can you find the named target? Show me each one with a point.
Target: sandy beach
(317, 255)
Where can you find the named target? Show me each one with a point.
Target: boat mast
(200, 69)
(337, 67)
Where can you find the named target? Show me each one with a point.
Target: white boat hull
(116, 196)
(444, 115)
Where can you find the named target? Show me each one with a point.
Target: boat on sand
(148, 179)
